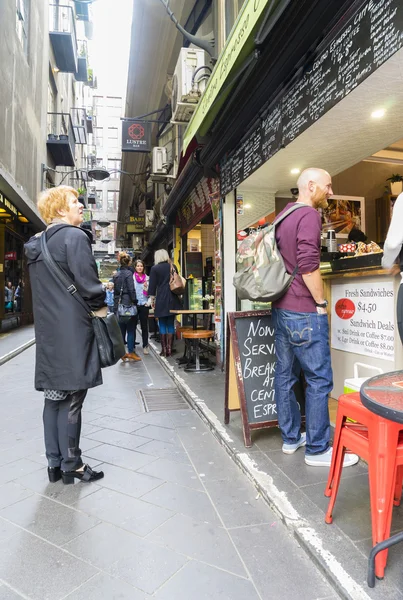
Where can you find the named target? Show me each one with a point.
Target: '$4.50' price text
(366, 308)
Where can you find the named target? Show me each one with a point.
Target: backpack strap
(288, 212)
(283, 216)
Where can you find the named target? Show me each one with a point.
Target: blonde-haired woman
(67, 360)
(166, 301)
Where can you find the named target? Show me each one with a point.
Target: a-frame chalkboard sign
(250, 365)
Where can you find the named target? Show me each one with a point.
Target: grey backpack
(261, 274)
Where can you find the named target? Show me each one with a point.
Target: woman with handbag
(67, 357)
(126, 304)
(166, 300)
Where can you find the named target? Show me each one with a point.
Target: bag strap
(60, 275)
(121, 294)
(283, 216)
(288, 212)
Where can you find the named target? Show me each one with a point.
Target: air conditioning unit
(160, 160)
(149, 219)
(137, 242)
(185, 94)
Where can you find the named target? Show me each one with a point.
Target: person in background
(9, 297)
(302, 327)
(356, 235)
(18, 296)
(165, 300)
(110, 301)
(141, 286)
(392, 250)
(67, 358)
(124, 293)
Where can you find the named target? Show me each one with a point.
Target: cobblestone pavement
(174, 518)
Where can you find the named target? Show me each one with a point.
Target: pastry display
(371, 248)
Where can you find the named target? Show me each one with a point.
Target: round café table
(383, 395)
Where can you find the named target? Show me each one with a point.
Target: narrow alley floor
(174, 518)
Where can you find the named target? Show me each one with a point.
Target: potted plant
(396, 184)
(81, 194)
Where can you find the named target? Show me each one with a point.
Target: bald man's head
(315, 187)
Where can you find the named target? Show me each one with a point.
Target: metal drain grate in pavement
(162, 399)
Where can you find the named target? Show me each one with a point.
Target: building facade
(45, 128)
(107, 140)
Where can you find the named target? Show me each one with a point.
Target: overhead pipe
(199, 42)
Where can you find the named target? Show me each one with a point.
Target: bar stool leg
(337, 467)
(197, 354)
(340, 421)
(398, 487)
(382, 478)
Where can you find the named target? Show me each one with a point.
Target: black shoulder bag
(125, 312)
(106, 329)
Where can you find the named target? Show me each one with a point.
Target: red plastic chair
(379, 442)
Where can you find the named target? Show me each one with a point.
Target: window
(99, 136)
(22, 23)
(113, 198)
(52, 107)
(113, 112)
(113, 165)
(98, 101)
(112, 137)
(100, 199)
(114, 101)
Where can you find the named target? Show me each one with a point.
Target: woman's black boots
(163, 337)
(170, 337)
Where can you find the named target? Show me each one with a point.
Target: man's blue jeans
(302, 341)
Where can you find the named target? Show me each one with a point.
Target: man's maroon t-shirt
(298, 239)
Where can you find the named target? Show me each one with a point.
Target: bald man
(302, 329)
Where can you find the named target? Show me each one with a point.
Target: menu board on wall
(363, 319)
(367, 40)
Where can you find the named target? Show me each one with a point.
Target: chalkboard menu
(251, 338)
(369, 38)
(194, 264)
(250, 366)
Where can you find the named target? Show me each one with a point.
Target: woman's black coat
(123, 280)
(159, 286)
(66, 352)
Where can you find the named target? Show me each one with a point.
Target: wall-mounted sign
(239, 204)
(10, 255)
(196, 206)
(363, 319)
(136, 136)
(4, 202)
(136, 225)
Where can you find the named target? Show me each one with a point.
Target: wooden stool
(196, 336)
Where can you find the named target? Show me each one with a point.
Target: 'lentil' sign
(251, 362)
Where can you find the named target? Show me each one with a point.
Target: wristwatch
(322, 304)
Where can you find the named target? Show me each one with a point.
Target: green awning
(239, 44)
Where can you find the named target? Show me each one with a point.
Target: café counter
(362, 318)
